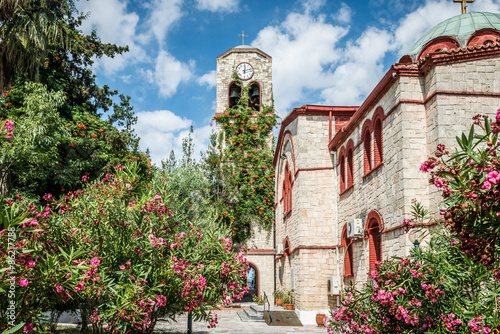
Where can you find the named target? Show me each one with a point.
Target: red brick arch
(378, 137)
(367, 126)
(342, 169)
(234, 82)
(483, 36)
(348, 256)
(287, 136)
(438, 44)
(366, 138)
(251, 84)
(350, 163)
(287, 190)
(374, 214)
(286, 247)
(374, 227)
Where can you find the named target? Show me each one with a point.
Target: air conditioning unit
(355, 229)
(279, 249)
(334, 286)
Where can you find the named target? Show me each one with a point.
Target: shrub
(117, 252)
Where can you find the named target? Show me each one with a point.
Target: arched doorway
(253, 283)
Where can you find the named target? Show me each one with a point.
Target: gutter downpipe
(336, 217)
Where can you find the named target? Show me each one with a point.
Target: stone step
(257, 309)
(249, 316)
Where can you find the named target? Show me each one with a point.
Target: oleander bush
(452, 284)
(120, 255)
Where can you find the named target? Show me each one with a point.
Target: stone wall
(265, 266)
(310, 227)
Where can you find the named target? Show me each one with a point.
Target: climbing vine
(240, 165)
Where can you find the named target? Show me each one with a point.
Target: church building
(346, 175)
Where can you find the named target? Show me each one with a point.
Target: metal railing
(269, 308)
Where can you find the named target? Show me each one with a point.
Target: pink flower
(438, 183)
(9, 125)
(10, 135)
(122, 267)
(23, 282)
(80, 286)
(487, 185)
(493, 177)
(28, 328)
(128, 185)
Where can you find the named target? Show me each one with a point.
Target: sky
(324, 52)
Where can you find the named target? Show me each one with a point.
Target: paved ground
(229, 322)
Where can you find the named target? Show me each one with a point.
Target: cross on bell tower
(464, 4)
(242, 35)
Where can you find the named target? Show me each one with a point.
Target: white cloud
(163, 131)
(303, 48)
(312, 5)
(344, 14)
(361, 69)
(120, 30)
(417, 23)
(308, 59)
(209, 79)
(164, 13)
(433, 12)
(492, 6)
(218, 5)
(169, 74)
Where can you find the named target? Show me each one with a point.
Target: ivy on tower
(240, 165)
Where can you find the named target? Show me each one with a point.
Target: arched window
(350, 169)
(286, 247)
(287, 190)
(378, 145)
(342, 172)
(367, 137)
(348, 260)
(254, 96)
(234, 95)
(374, 229)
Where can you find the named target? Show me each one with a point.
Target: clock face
(244, 71)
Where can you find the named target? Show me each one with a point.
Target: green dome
(460, 27)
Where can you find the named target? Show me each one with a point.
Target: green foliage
(278, 294)
(437, 289)
(239, 162)
(41, 41)
(49, 153)
(27, 28)
(188, 185)
(470, 181)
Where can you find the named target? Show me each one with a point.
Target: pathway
(230, 323)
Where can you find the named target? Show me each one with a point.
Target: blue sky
(324, 52)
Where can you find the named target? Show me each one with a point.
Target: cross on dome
(242, 35)
(464, 4)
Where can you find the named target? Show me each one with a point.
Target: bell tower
(253, 67)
